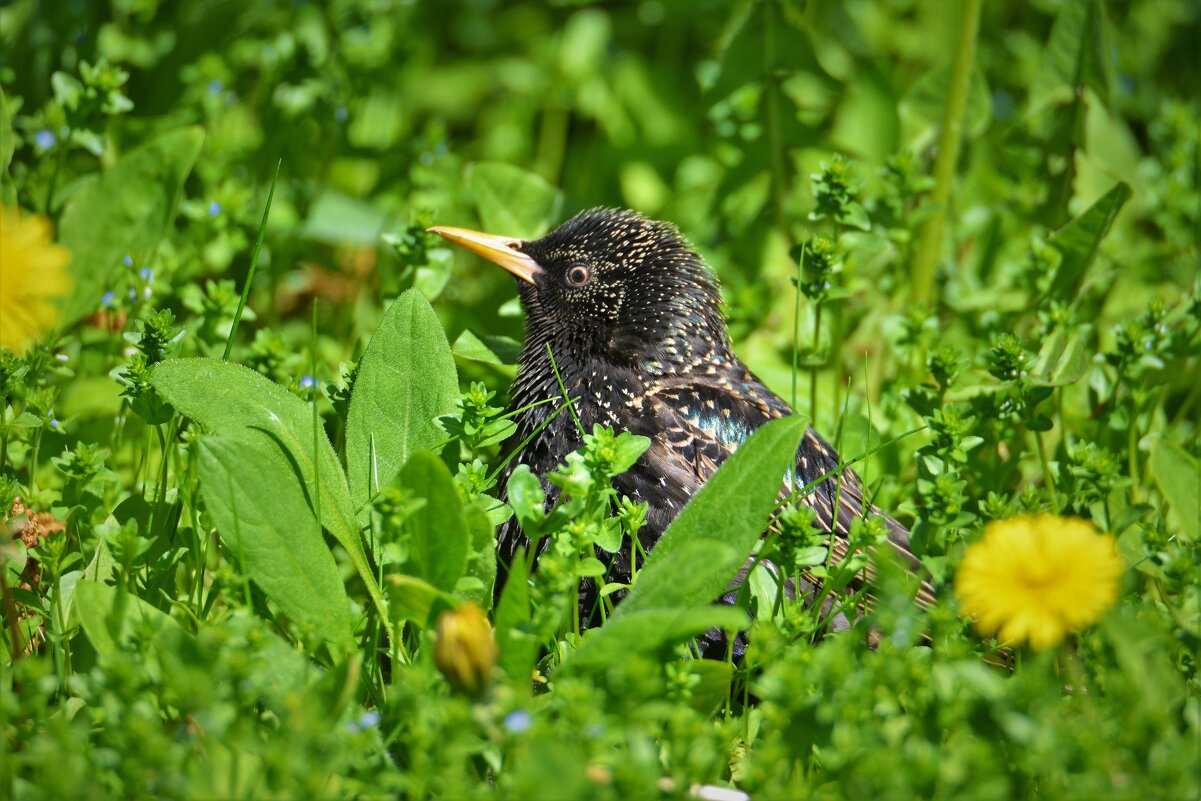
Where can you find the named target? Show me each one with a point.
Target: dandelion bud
(464, 649)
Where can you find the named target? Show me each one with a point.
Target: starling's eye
(579, 275)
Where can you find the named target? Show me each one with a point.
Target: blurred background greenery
(710, 114)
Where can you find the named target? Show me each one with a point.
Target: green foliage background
(1053, 367)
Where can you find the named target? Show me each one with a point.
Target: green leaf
(512, 201)
(338, 219)
(258, 505)
(481, 564)
(1061, 361)
(431, 279)
(410, 598)
(1178, 475)
(650, 629)
(491, 350)
(701, 551)
(1076, 55)
(235, 401)
(923, 104)
(109, 615)
(123, 213)
(528, 500)
(406, 380)
(438, 535)
(517, 645)
(1079, 240)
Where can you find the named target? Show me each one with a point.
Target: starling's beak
(502, 250)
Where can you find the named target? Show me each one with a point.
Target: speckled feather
(644, 348)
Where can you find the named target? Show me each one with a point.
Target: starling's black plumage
(632, 315)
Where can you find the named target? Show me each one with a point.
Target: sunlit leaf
(438, 536)
(1076, 55)
(1080, 239)
(1178, 474)
(259, 507)
(512, 201)
(406, 380)
(235, 401)
(124, 212)
(701, 551)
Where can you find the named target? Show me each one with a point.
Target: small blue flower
(45, 139)
(340, 114)
(368, 720)
(54, 424)
(107, 299)
(127, 261)
(216, 87)
(133, 294)
(307, 381)
(147, 275)
(214, 208)
(518, 721)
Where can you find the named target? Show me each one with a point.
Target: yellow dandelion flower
(33, 272)
(1037, 578)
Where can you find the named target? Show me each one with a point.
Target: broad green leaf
(1061, 361)
(492, 350)
(235, 401)
(512, 201)
(109, 616)
(651, 629)
(701, 551)
(338, 219)
(1178, 475)
(258, 505)
(713, 683)
(517, 645)
(728, 515)
(1076, 55)
(124, 213)
(406, 380)
(411, 598)
(431, 279)
(1079, 240)
(481, 564)
(438, 535)
(922, 107)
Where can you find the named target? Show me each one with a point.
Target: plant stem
(33, 460)
(254, 263)
(771, 90)
(817, 326)
(930, 243)
(563, 390)
(1048, 476)
(796, 320)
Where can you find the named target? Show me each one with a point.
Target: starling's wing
(695, 426)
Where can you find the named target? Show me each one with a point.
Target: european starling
(632, 315)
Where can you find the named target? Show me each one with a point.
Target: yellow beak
(502, 250)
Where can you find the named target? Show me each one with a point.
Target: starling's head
(622, 288)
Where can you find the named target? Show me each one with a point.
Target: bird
(632, 316)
